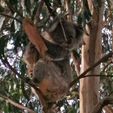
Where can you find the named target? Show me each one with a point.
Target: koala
(53, 77)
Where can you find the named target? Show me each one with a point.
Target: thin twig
(12, 9)
(9, 16)
(38, 11)
(107, 66)
(7, 99)
(63, 30)
(96, 76)
(92, 67)
(51, 11)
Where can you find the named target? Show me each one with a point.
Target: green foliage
(12, 45)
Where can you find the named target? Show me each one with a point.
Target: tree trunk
(91, 52)
(112, 39)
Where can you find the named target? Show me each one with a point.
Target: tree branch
(76, 61)
(49, 8)
(104, 58)
(38, 11)
(28, 81)
(11, 17)
(12, 9)
(107, 66)
(7, 99)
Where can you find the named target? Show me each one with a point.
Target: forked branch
(104, 58)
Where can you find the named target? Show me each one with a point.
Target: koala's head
(73, 33)
(67, 34)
